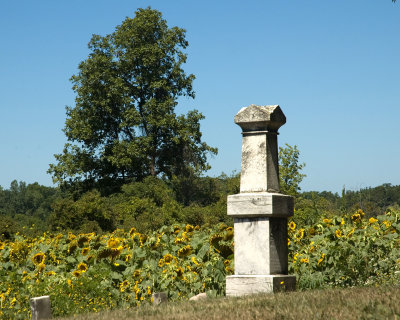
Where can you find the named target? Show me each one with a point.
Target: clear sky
(332, 66)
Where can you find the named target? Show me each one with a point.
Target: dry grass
(352, 303)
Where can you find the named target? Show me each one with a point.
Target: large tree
(123, 126)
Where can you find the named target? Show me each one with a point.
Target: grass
(350, 303)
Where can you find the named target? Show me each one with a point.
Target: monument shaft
(260, 212)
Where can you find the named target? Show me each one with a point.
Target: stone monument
(260, 212)
(40, 308)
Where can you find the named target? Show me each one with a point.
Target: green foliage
(289, 170)
(89, 272)
(32, 200)
(22, 206)
(90, 210)
(310, 206)
(148, 205)
(123, 127)
(346, 251)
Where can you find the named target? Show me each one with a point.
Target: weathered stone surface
(260, 211)
(260, 169)
(200, 296)
(159, 297)
(40, 308)
(258, 204)
(257, 118)
(239, 285)
(260, 246)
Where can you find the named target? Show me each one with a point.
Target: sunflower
(72, 246)
(179, 272)
(85, 251)
(387, 223)
(124, 284)
(143, 238)
(229, 234)
(168, 258)
(195, 261)
(41, 267)
(215, 239)
(189, 228)
(113, 243)
(132, 232)
(185, 251)
(338, 233)
(299, 235)
(176, 230)
(292, 226)
(179, 240)
(304, 260)
(82, 267)
(136, 273)
(350, 233)
(38, 258)
(327, 221)
(356, 217)
(104, 253)
(115, 252)
(372, 220)
(77, 273)
(71, 236)
(321, 259)
(82, 239)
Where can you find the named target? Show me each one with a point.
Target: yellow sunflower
(168, 258)
(41, 267)
(372, 220)
(179, 271)
(185, 251)
(113, 243)
(299, 235)
(38, 258)
(132, 232)
(77, 273)
(321, 259)
(304, 260)
(82, 267)
(195, 261)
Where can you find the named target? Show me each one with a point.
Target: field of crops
(90, 272)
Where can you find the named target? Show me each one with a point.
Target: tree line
(32, 208)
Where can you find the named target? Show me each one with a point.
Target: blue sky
(332, 66)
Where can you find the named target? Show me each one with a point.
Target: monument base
(239, 285)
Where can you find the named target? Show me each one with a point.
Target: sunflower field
(346, 251)
(89, 272)
(92, 272)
